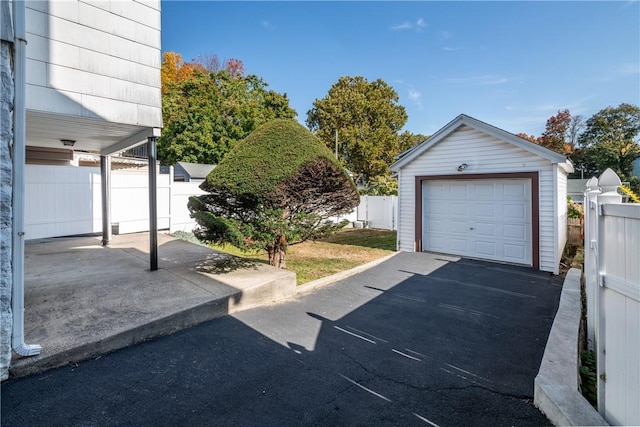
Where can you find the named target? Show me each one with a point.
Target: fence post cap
(592, 184)
(609, 181)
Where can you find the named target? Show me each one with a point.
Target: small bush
(574, 210)
(588, 377)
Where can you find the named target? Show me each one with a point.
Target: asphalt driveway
(421, 339)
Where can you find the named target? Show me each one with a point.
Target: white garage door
(488, 219)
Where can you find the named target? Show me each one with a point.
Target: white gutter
(19, 143)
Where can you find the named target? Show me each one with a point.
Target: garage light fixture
(462, 167)
(68, 142)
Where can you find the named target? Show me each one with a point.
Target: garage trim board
(533, 180)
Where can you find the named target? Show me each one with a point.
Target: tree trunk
(278, 252)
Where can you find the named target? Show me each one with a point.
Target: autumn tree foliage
(278, 187)
(367, 117)
(530, 138)
(205, 112)
(608, 139)
(560, 133)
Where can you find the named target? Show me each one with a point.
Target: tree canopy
(609, 139)
(206, 112)
(367, 118)
(277, 187)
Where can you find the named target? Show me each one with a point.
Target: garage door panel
(485, 249)
(485, 229)
(458, 209)
(484, 191)
(436, 225)
(437, 191)
(514, 231)
(515, 190)
(437, 208)
(514, 253)
(461, 246)
(458, 191)
(514, 211)
(485, 210)
(456, 227)
(438, 243)
(487, 218)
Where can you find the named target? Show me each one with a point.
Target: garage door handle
(471, 228)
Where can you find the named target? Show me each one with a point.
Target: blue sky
(511, 64)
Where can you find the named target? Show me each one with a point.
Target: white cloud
(450, 48)
(416, 97)
(265, 23)
(408, 25)
(404, 26)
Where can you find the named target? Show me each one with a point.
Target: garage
(478, 191)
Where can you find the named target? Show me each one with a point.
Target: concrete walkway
(83, 300)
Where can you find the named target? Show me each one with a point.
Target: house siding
(95, 59)
(484, 154)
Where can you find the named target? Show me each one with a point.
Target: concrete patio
(83, 300)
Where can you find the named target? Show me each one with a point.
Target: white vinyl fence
(66, 201)
(378, 211)
(612, 278)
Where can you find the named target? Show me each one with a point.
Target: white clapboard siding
(95, 59)
(484, 154)
(561, 209)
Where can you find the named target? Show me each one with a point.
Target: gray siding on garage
(482, 153)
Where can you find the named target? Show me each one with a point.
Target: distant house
(576, 189)
(187, 172)
(478, 191)
(636, 167)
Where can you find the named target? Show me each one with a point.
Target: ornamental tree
(277, 187)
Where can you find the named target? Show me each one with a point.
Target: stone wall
(6, 217)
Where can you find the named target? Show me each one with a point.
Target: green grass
(366, 237)
(308, 269)
(342, 251)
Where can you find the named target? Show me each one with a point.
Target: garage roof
(464, 120)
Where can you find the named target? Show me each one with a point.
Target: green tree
(206, 113)
(367, 117)
(409, 140)
(609, 140)
(385, 184)
(276, 188)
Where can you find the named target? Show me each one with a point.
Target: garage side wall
(562, 213)
(483, 154)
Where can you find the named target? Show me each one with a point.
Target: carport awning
(46, 129)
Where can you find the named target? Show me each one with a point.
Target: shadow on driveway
(457, 343)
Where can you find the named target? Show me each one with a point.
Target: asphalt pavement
(421, 339)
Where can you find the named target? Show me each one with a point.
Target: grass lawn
(344, 250)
